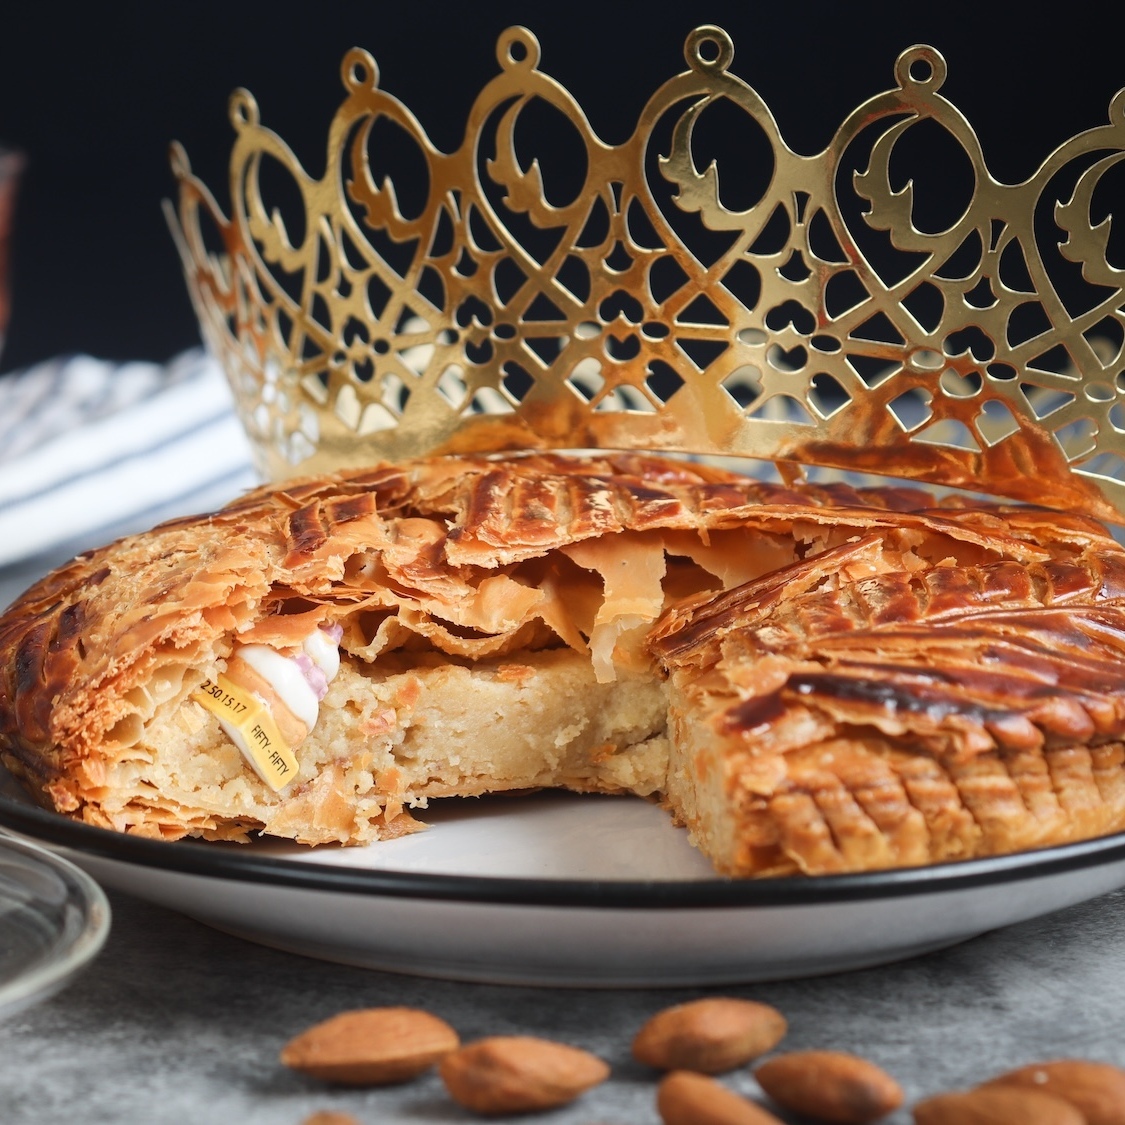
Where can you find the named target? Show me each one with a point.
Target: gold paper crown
(817, 323)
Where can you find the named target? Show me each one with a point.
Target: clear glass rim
(77, 941)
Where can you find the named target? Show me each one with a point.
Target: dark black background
(94, 94)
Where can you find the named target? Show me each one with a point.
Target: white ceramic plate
(567, 890)
(53, 921)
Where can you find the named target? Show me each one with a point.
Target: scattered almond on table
(686, 1097)
(371, 1046)
(519, 1074)
(1096, 1089)
(831, 1086)
(709, 1036)
(997, 1105)
(507, 1074)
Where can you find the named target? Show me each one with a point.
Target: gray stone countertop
(177, 1022)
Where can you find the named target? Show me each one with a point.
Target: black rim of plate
(239, 863)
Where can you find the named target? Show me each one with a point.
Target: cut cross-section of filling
(267, 702)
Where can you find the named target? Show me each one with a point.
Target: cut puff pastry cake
(812, 679)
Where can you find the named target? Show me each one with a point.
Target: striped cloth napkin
(91, 450)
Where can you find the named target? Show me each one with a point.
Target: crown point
(708, 49)
(359, 70)
(243, 109)
(178, 158)
(1117, 108)
(518, 49)
(921, 67)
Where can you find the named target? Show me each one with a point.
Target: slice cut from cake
(846, 713)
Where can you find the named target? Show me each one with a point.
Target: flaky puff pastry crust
(479, 558)
(853, 714)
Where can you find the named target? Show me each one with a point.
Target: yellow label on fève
(249, 723)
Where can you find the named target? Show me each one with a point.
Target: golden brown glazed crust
(905, 717)
(891, 602)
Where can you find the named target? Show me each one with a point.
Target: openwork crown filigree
(853, 309)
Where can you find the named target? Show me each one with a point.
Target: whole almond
(687, 1098)
(371, 1046)
(996, 1105)
(709, 1036)
(831, 1085)
(1097, 1089)
(519, 1074)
